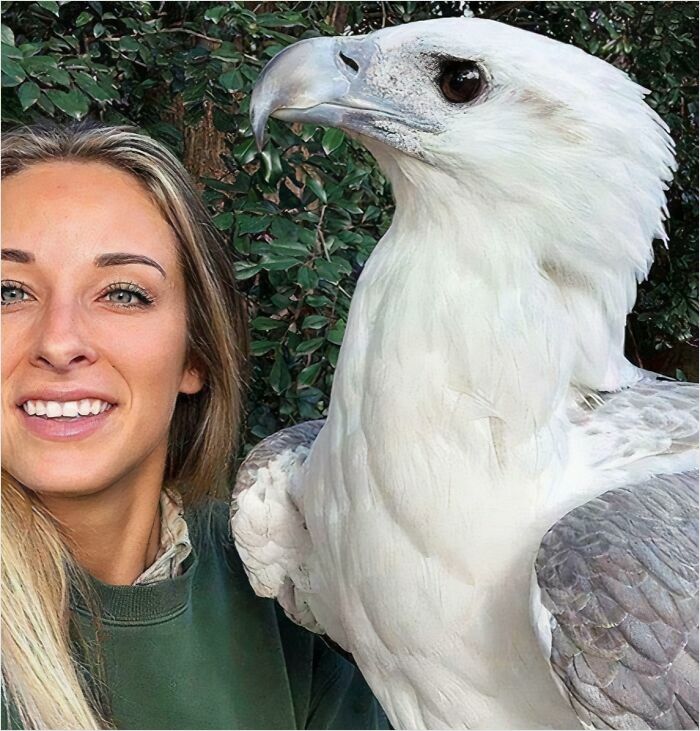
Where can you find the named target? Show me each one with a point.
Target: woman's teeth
(55, 409)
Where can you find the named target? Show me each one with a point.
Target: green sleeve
(340, 697)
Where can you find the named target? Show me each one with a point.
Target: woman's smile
(57, 422)
(74, 413)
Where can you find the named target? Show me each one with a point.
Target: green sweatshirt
(201, 651)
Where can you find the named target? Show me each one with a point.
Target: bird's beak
(318, 80)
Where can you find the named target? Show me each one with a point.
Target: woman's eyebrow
(21, 257)
(104, 260)
(117, 258)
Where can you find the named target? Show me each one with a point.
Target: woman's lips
(63, 428)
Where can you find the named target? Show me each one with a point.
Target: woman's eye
(128, 295)
(122, 297)
(13, 292)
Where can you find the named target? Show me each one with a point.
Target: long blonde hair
(39, 669)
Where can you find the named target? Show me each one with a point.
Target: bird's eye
(461, 81)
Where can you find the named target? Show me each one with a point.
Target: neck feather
(457, 284)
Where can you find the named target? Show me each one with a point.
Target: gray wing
(294, 438)
(267, 519)
(619, 578)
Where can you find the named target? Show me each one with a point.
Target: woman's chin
(67, 483)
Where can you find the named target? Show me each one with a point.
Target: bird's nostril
(349, 62)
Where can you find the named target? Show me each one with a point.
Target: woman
(123, 347)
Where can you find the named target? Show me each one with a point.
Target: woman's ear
(192, 379)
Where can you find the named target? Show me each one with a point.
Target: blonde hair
(39, 669)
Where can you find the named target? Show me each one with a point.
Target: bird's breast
(433, 592)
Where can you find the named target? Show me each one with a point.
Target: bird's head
(497, 107)
(531, 150)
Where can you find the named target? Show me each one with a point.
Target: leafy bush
(302, 216)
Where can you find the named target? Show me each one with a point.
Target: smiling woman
(95, 310)
(123, 603)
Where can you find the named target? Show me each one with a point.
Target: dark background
(303, 216)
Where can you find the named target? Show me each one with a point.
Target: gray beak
(318, 80)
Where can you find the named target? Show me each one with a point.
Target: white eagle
(498, 517)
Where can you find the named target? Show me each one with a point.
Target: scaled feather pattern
(497, 518)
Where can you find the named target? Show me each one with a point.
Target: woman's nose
(62, 339)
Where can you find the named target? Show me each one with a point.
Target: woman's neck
(114, 533)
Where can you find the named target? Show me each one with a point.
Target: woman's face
(93, 329)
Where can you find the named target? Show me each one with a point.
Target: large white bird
(497, 519)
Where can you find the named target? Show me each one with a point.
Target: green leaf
(318, 300)
(278, 264)
(332, 139)
(280, 19)
(332, 352)
(318, 189)
(98, 30)
(6, 81)
(83, 19)
(327, 271)
(307, 132)
(127, 43)
(223, 221)
(309, 346)
(226, 52)
(246, 270)
(92, 88)
(74, 103)
(290, 248)
(11, 52)
(335, 335)
(13, 72)
(30, 49)
(267, 323)
(49, 5)
(314, 322)
(285, 230)
(231, 80)
(247, 224)
(38, 65)
(28, 94)
(57, 77)
(216, 13)
(272, 164)
(245, 152)
(46, 105)
(6, 35)
(307, 278)
(309, 374)
(279, 375)
(280, 301)
(260, 347)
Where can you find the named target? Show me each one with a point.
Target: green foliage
(303, 215)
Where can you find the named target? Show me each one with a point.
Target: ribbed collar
(144, 603)
(141, 603)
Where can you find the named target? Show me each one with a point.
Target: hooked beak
(321, 81)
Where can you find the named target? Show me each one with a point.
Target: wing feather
(618, 578)
(267, 519)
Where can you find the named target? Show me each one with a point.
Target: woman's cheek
(155, 356)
